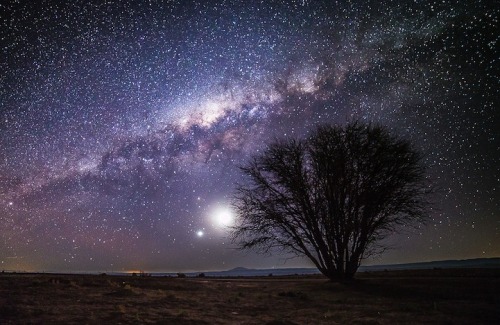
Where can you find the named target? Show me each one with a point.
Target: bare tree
(332, 197)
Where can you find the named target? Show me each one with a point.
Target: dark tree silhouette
(332, 197)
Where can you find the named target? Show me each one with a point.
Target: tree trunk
(338, 275)
(344, 274)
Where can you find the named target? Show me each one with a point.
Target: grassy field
(397, 297)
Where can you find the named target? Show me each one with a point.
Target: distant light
(223, 217)
(199, 233)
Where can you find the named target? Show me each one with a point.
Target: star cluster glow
(123, 123)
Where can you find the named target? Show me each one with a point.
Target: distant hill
(241, 271)
(448, 264)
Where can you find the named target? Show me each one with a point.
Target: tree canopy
(331, 197)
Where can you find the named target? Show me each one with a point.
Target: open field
(406, 297)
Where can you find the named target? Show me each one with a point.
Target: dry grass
(403, 297)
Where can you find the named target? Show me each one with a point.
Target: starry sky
(123, 123)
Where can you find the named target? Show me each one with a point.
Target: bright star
(223, 217)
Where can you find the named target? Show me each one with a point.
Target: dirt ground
(402, 297)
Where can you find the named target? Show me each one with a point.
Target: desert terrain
(462, 296)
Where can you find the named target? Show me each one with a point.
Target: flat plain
(441, 296)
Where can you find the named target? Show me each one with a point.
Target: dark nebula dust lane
(123, 123)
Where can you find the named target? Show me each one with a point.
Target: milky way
(122, 124)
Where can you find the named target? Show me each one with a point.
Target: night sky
(122, 124)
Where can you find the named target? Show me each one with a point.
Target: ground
(395, 297)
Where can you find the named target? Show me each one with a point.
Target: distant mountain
(448, 264)
(239, 269)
